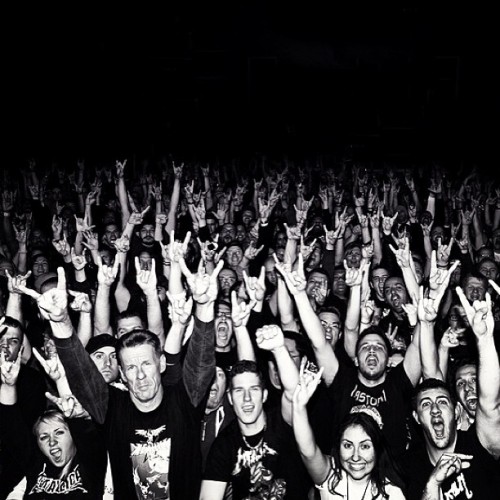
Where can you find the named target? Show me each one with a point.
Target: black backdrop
(405, 82)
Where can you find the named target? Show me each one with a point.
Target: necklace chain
(258, 445)
(364, 492)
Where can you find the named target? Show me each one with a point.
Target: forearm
(351, 326)
(377, 246)
(173, 341)
(285, 307)
(428, 352)
(121, 191)
(102, 310)
(14, 309)
(443, 353)
(86, 382)
(155, 320)
(431, 204)
(488, 379)
(78, 243)
(85, 328)
(339, 250)
(244, 346)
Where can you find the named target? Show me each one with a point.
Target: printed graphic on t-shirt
(457, 489)
(72, 482)
(263, 484)
(150, 463)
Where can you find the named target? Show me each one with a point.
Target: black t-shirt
(480, 481)
(269, 466)
(156, 454)
(391, 399)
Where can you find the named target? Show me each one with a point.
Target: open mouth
(471, 403)
(56, 453)
(248, 409)
(371, 362)
(438, 426)
(356, 465)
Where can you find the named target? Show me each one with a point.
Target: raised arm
(106, 276)
(316, 462)
(271, 338)
(86, 382)
(323, 351)
(480, 317)
(240, 313)
(146, 280)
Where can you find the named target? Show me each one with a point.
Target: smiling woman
(359, 465)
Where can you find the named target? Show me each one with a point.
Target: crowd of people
(184, 331)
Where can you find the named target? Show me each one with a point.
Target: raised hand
(146, 278)
(443, 252)
(16, 283)
(68, 405)
(52, 365)
(402, 254)
(81, 302)
(353, 275)
(137, 217)
(306, 250)
(295, 281)
(9, 370)
(270, 337)
(387, 223)
(240, 311)
(427, 308)
(255, 287)
(91, 241)
(251, 251)
(479, 314)
(79, 261)
(178, 170)
(62, 246)
(292, 232)
(179, 309)
(411, 311)
(176, 249)
(122, 244)
(208, 249)
(120, 168)
(82, 225)
(53, 304)
(203, 286)
(439, 278)
(308, 382)
(106, 275)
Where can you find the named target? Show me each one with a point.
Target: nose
(435, 410)
(52, 440)
(107, 361)
(246, 396)
(355, 454)
(141, 374)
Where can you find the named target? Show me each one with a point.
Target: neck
(223, 349)
(370, 382)
(148, 406)
(357, 488)
(254, 427)
(436, 453)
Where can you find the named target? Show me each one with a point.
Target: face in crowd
(11, 342)
(227, 279)
(339, 286)
(377, 281)
(247, 395)
(55, 441)
(474, 289)
(372, 356)
(217, 390)
(141, 368)
(436, 413)
(357, 452)
(106, 362)
(353, 257)
(330, 322)
(111, 234)
(317, 287)
(147, 234)
(128, 324)
(223, 328)
(466, 387)
(40, 266)
(395, 293)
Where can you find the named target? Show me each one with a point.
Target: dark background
(401, 82)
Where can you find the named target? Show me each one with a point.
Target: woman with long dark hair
(359, 466)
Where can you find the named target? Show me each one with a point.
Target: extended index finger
(61, 279)
(465, 303)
